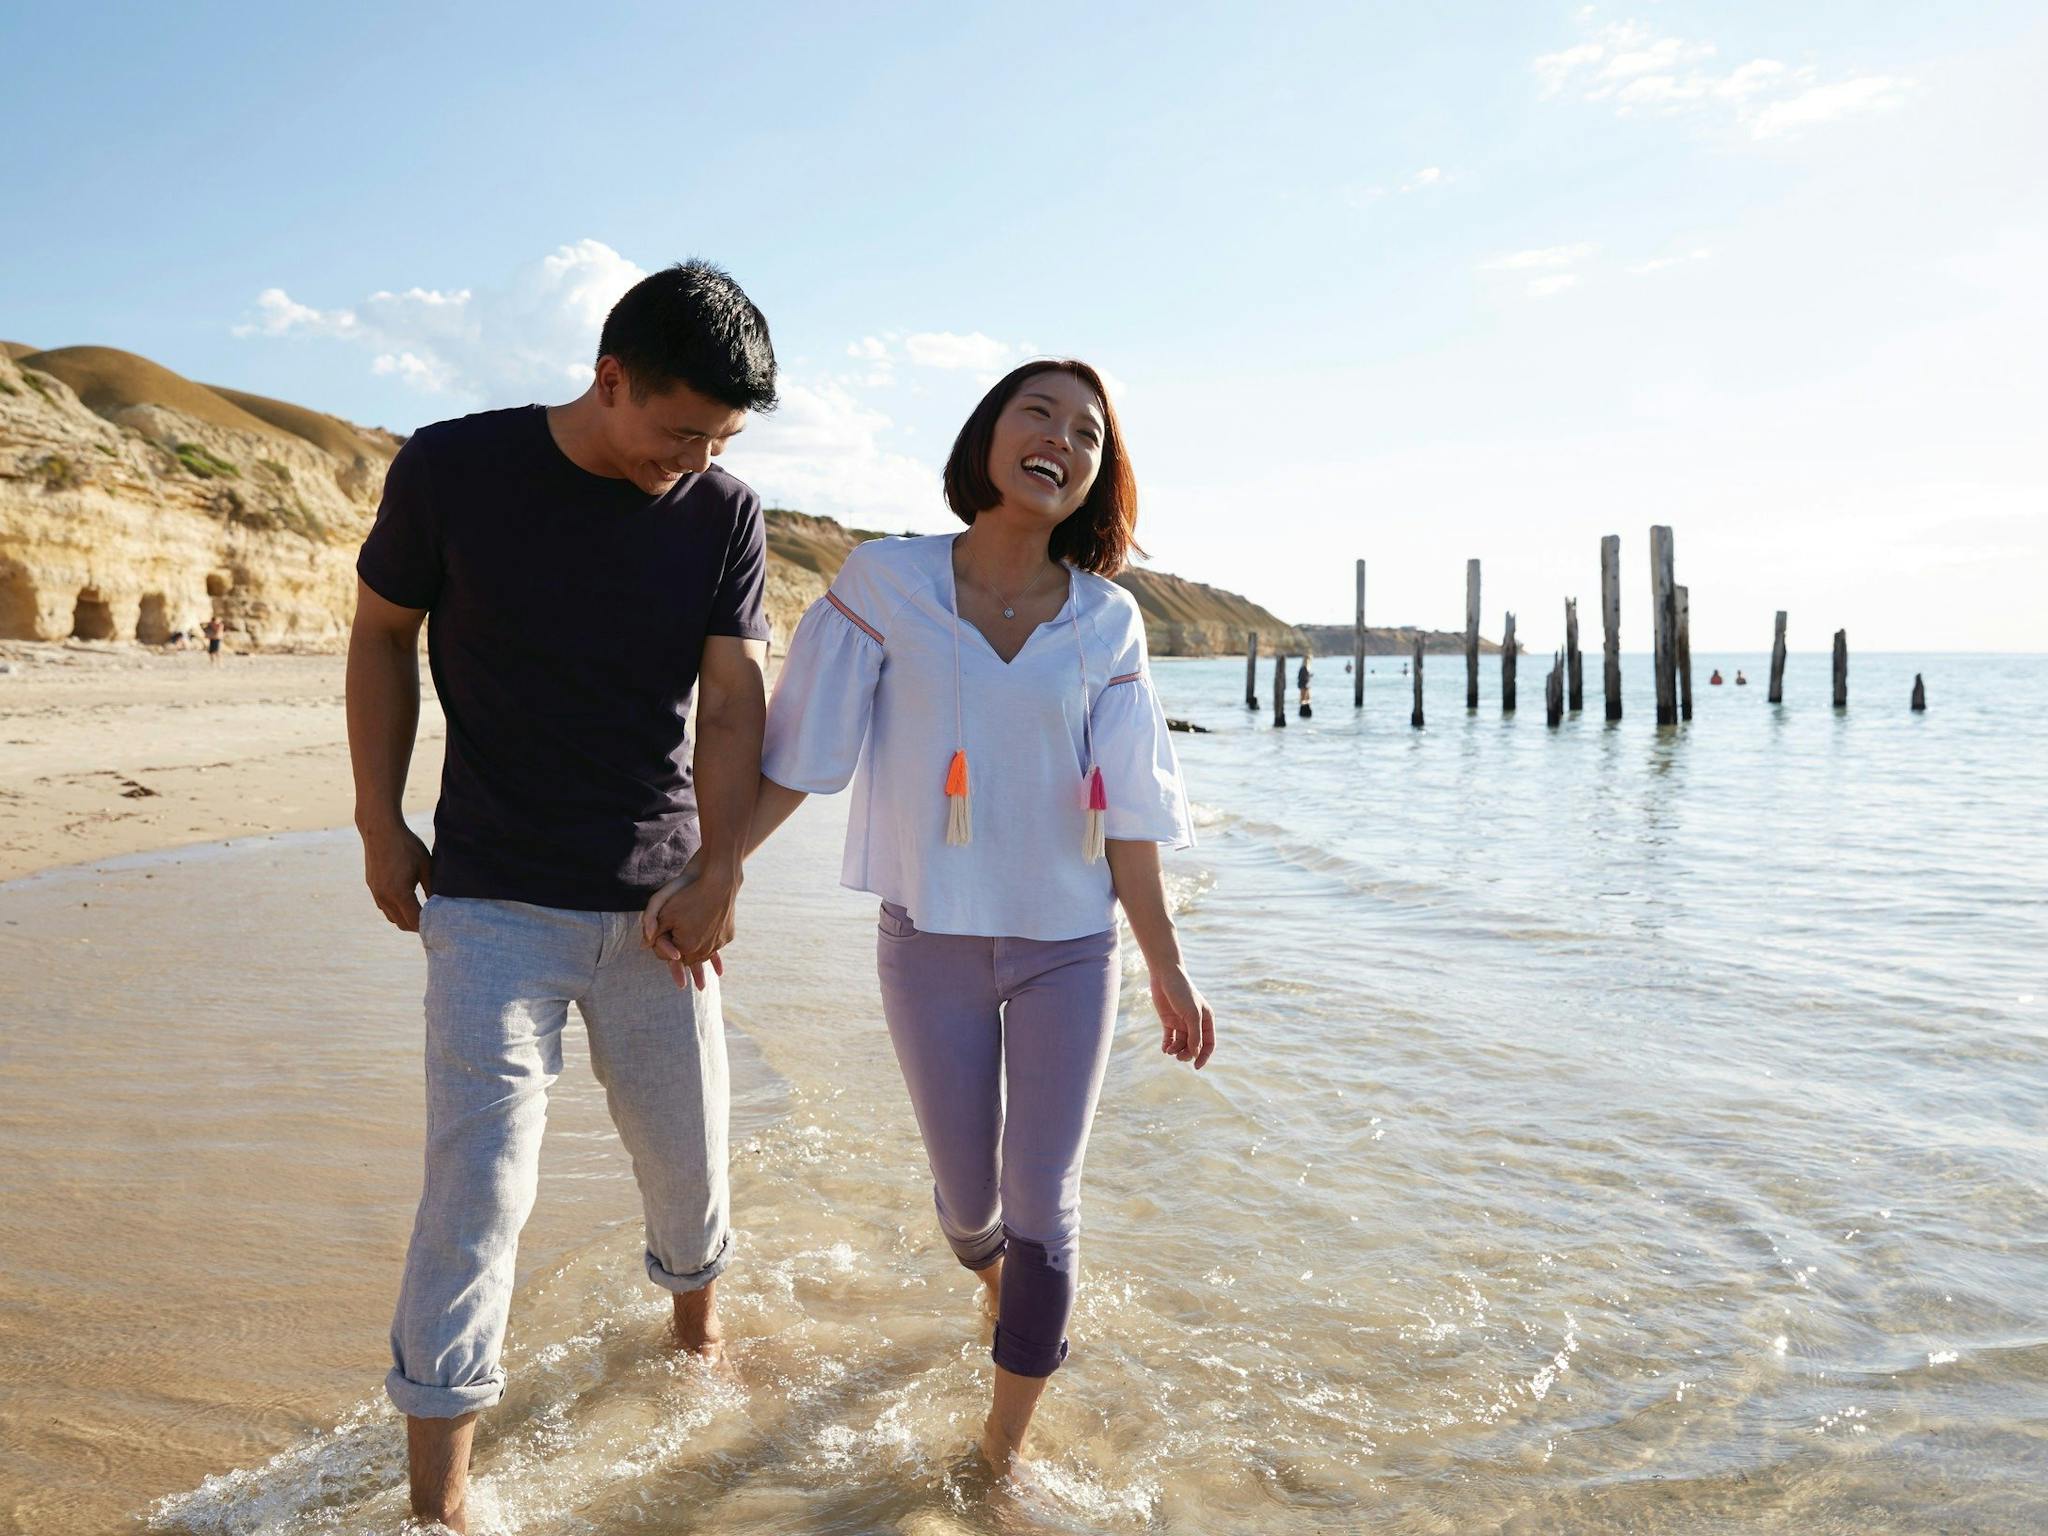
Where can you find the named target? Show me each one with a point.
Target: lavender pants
(971, 1018)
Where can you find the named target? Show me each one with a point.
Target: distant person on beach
(569, 795)
(988, 695)
(214, 630)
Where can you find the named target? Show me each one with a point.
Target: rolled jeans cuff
(697, 1279)
(418, 1401)
(1020, 1357)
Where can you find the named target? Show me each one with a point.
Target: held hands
(394, 861)
(689, 920)
(1188, 1028)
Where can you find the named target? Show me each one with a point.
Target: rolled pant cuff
(697, 1279)
(1021, 1358)
(419, 1401)
(980, 1249)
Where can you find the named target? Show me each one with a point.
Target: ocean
(1613, 1128)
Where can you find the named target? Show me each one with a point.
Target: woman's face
(1047, 446)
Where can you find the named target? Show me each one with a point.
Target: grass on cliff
(205, 465)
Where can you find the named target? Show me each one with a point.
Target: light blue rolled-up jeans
(500, 978)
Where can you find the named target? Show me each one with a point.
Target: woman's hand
(1188, 1028)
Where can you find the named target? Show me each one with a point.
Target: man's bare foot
(697, 1330)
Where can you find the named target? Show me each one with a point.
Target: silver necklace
(1010, 603)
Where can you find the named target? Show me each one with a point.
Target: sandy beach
(114, 749)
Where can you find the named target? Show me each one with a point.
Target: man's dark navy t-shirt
(566, 616)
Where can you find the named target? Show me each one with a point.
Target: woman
(986, 692)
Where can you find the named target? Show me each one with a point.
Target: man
(567, 797)
(215, 629)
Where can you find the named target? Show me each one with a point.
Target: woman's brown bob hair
(1102, 533)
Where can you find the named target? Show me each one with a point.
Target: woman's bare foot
(1009, 1421)
(991, 1291)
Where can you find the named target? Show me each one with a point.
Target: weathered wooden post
(1415, 719)
(1575, 674)
(1553, 691)
(1507, 667)
(1683, 600)
(1358, 646)
(1251, 669)
(1610, 619)
(1919, 694)
(1664, 608)
(1777, 693)
(1471, 634)
(1279, 688)
(1841, 669)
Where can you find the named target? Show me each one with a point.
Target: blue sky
(1407, 282)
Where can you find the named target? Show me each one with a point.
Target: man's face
(657, 440)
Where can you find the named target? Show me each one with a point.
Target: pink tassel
(1092, 845)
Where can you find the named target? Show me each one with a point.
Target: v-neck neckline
(953, 596)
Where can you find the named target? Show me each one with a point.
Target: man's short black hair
(692, 324)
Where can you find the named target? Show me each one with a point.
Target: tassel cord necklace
(1094, 798)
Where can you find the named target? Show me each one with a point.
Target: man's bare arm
(383, 719)
(732, 709)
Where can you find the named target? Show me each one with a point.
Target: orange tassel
(959, 819)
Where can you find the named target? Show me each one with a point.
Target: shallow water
(1615, 1129)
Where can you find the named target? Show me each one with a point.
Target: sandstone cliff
(135, 503)
(1399, 640)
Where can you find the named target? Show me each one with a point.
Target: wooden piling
(1415, 719)
(1279, 688)
(1777, 693)
(1841, 669)
(1251, 669)
(1610, 619)
(1575, 671)
(1507, 667)
(1664, 613)
(1471, 634)
(1553, 690)
(1358, 646)
(1919, 694)
(1683, 598)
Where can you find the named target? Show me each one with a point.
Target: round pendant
(1009, 613)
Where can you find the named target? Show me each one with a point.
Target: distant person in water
(1740, 680)
(1715, 680)
(987, 694)
(1301, 682)
(569, 796)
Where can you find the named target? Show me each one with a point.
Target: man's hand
(689, 920)
(394, 862)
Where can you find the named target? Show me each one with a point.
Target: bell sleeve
(825, 695)
(1140, 774)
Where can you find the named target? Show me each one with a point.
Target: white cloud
(1549, 256)
(278, 314)
(492, 346)
(822, 451)
(1629, 67)
(1552, 285)
(1428, 176)
(1829, 103)
(1664, 263)
(948, 349)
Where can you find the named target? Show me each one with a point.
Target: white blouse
(871, 691)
